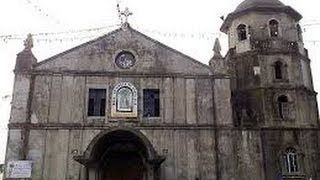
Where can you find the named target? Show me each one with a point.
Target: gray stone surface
(20, 99)
(36, 152)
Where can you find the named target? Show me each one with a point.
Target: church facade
(127, 107)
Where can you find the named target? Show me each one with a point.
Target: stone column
(224, 135)
(19, 116)
(222, 92)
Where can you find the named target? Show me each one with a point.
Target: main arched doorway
(121, 154)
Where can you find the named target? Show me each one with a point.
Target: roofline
(113, 32)
(287, 9)
(75, 48)
(171, 49)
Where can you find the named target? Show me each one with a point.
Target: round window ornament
(125, 60)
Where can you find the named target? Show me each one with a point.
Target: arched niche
(274, 28)
(124, 101)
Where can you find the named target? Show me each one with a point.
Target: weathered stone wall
(62, 99)
(99, 56)
(192, 153)
(275, 142)
(59, 114)
(20, 95)
(258, 93)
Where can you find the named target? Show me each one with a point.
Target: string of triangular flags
(91, 33)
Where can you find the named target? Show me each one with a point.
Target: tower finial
(28, 43)
(217, 62)
(217, 47)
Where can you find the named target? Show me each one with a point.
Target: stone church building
(127, 107)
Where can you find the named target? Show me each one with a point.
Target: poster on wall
(19, 169)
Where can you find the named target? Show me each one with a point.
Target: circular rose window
(125, 60)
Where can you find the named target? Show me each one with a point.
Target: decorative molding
(158, 126)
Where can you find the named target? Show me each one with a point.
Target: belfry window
(151, 103)
(278, 70)
(283, 106)
(274, 28)
(242, 32)
(97, 102)
(291, 160)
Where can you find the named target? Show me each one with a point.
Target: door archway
(121, 154)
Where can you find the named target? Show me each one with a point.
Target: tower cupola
(254, 21)
(248, 6)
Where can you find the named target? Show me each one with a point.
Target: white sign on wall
(19, 169)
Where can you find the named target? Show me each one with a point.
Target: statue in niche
(124, 100)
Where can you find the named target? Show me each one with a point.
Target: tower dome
(247, 4)
(259, 6)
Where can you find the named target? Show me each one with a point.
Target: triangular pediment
(99, 55)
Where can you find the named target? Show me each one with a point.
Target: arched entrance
(121, 154)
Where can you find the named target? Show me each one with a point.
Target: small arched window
(274, 28)
(283, 106)
(278, 70)
(242, 32)
(291, 160)
(299, 32)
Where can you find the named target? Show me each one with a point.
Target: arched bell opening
(121, 154)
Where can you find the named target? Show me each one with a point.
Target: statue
(217, 48)
(28, 43)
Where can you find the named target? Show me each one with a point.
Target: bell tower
(272, 84)
(272, 89)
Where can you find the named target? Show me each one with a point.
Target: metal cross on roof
(126, 13)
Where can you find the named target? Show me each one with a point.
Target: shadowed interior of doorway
(124, 166)
(122, 157)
